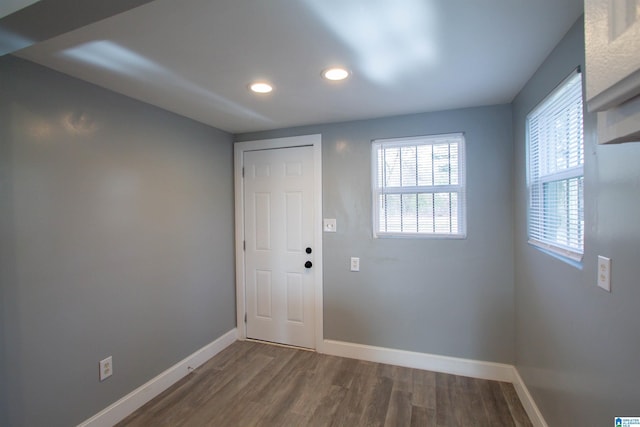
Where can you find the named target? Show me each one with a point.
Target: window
(555, 179)
(419, 186)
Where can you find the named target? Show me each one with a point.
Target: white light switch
(355, 264)
(329, 225)
(604, 273)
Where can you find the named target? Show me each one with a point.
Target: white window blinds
(419, 186)
(555, 179)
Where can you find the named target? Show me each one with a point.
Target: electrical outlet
(604, 273)
(355, 264)
(106, 368)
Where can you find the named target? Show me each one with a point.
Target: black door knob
(307, 264)
(308, 250)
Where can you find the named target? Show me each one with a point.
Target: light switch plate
(355, 264)
(329, 225)
(604, 273)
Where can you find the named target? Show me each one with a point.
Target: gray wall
(448, 297)
(4, 236)
(117, 239)
(577, 346)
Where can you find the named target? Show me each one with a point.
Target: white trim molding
(124, 407)
(425, 361)
(527, 401)
(445, 364)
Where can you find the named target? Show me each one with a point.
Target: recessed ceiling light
(335, 73)
(261, 87)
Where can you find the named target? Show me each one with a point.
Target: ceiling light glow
(261, 87)
(335, 74)
(390, 38)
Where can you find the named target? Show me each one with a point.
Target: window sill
(419, 236)
(571, 258)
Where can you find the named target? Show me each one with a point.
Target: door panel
(263, 294)
(262, 207)
(295, 298)
(293, 221)
(279, 218)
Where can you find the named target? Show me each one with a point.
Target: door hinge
(243, 171)
(245, 318)
(244, 245)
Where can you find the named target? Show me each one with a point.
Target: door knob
(307, 264)
(308, 250)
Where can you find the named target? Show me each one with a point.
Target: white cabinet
(612, 40)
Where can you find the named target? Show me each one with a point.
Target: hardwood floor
(255, 384)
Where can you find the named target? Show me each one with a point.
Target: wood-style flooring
(255, 384)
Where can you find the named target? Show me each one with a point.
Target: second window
(419, 186)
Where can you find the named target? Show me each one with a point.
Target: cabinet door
(612, 39)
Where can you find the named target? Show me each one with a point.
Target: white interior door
(279, 241)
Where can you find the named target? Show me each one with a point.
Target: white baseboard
(445, 364)
(143, 394)
(426, 361)
(527, 401)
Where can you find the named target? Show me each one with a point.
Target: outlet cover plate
(106, 368)
(604, 273)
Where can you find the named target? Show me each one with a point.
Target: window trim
(460, 189)
(554, 248)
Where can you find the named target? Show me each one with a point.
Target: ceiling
(197, 57)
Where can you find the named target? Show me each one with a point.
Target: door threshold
(277, 344)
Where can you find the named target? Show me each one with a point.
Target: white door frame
(239, 149)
